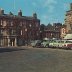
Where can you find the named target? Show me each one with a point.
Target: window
(37, 33)
(24, 22)
(11, 23)
(1, 22)
(1, 31)
(68, 42)
(12, 32)
(30, 25)
(20, 23)
(26, 29)
(37, 24)
(21, 32)
(4, 23)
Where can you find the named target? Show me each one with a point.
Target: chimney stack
(70, 6)
(1, 11)
(35, 15)
(20, 13)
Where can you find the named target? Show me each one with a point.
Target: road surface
(35, 60)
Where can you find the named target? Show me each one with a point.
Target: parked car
(45, 43)
(53, 43)
(67, 44)
(35, 43)
(64, 44)
(38, 44)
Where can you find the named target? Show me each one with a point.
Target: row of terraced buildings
(16, 30)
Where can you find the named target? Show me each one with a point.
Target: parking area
(35, 60)
(52, 43)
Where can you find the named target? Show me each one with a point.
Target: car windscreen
(68, 42)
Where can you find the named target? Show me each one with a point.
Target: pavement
(24, 59)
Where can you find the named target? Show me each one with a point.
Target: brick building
(52, 31)
(16, 29)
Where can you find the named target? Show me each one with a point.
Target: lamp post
(40, 35)
(30, 32)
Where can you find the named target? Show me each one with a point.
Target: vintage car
(64, 44)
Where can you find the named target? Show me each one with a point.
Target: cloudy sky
(48, 11)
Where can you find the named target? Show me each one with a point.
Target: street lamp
(30, 32)
(41, 35)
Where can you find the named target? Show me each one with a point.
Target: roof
(18, 17)
(68, 36)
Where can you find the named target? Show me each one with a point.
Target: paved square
(35, 60)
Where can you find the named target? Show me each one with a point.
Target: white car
(54, 43)
(61, 44)
(67, 44)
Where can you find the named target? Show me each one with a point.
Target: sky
(48, 11)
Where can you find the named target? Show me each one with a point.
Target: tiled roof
(18, 17)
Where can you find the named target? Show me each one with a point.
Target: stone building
(68, 20)
(15, 30)
(63, 31)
